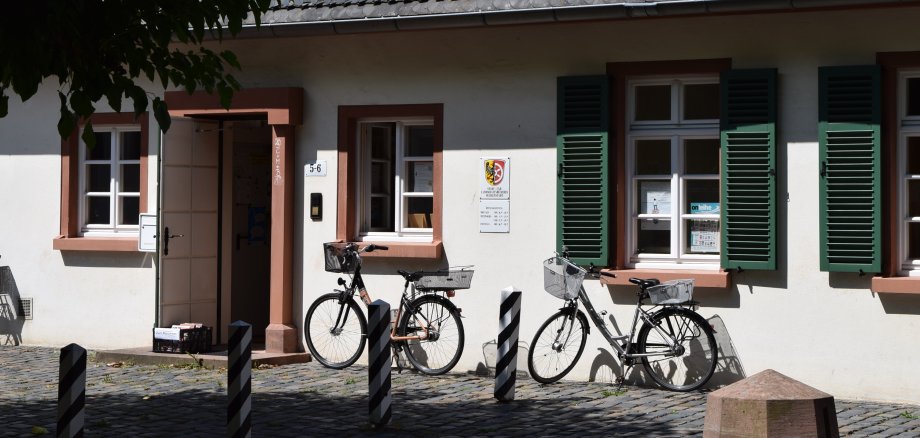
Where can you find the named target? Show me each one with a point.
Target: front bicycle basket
(561, 278)
(671, 292)
(445, 280)
(336, 258)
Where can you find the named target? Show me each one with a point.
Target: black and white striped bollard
(378, 340)
(71, 391)
(509, 318)
(239, 380)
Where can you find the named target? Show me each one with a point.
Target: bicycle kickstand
(621, 379)
(397, 359)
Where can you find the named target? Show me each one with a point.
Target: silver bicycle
(675, 344)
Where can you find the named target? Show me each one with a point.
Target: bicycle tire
(694, 362)
(550, 360)
(440, 352)
(335, 347)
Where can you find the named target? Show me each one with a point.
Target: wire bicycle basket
(337, 259)
(445, 280)
(561, 278)
(671, 292)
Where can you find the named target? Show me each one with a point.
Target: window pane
(913, 97)
(913, 198)
(381, 218)
(703, 236)
(701, 101)
(130, 208)
(131, 145)
(701, 156)
(381, 143)
(130, 178)
(381, 180)
(654, 236)
(419, 212)
(654, 197)
(97, 210)
(702, 196)
(653, 157)
(420, 176)
(103, 148)
(653, 102)
(913, 243)
(913, 155)
(420, 141)
(98, 177)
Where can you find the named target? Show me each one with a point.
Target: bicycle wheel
(557, 346)
(335, 331)
(441, 350)
(692, 360)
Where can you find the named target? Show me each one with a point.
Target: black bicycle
(428, 329)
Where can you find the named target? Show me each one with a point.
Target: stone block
(769, 404)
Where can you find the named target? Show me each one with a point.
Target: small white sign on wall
(147, 240)
(494, 195)
(315, 168)
(494, 216)
(495, 179)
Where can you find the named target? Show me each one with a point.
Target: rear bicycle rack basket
(445, 280)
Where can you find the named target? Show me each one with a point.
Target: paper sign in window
(655, 197)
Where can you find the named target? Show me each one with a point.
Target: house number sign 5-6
(315, 168)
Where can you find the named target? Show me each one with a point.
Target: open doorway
(248, 154)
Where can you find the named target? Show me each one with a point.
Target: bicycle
(429, 329)
(675, 345)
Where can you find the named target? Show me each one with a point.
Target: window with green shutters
(850, 168)
(583, 197)
(748, 140)
(673, 126)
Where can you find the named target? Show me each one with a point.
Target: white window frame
(908, 126)
(114, 227)
(399, 206)
(676, 131)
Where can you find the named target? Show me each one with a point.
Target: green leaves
(99, 49)
(161, 113)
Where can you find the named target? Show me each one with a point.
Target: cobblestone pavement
(310, 400)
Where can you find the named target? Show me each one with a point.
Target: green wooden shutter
(582, 194)
(850, 154)
(748, 140)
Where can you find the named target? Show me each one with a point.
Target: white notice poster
(655, 197)
(494, 216)
(423, 175)
(704, 236)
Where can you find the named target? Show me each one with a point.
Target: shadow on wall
(900, 304)
(11, 317)
(490, 358)
(605, 367)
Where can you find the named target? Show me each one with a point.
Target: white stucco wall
(96, 299)
(497, 86)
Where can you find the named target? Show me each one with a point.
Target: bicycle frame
(357, 283)
(622, 352)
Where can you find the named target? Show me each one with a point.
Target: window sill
(119, 244)
(715, 279)
(896, 285)
(403, 250)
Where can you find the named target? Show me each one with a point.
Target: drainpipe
(156, 292)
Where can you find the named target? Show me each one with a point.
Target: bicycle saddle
(410, 276)
(644, 284)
